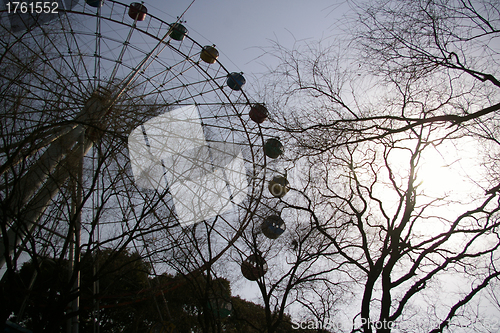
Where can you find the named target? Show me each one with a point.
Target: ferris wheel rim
(228, 100)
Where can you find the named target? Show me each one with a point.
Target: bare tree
(373, 121)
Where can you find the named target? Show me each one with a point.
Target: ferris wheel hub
(94, 112)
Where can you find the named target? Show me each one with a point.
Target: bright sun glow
(447, 178)
(449, 170)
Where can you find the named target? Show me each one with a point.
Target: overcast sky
(240, 28)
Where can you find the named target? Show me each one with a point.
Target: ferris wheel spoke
(36, 52)
(122, 53)
(73, 63)
(161, 76)
(97, 54)
(148, 59)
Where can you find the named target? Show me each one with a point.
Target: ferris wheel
(119, 123)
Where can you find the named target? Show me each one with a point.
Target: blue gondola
(273, 226)
(235, 81)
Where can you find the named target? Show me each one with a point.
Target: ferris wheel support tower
(42, 182)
